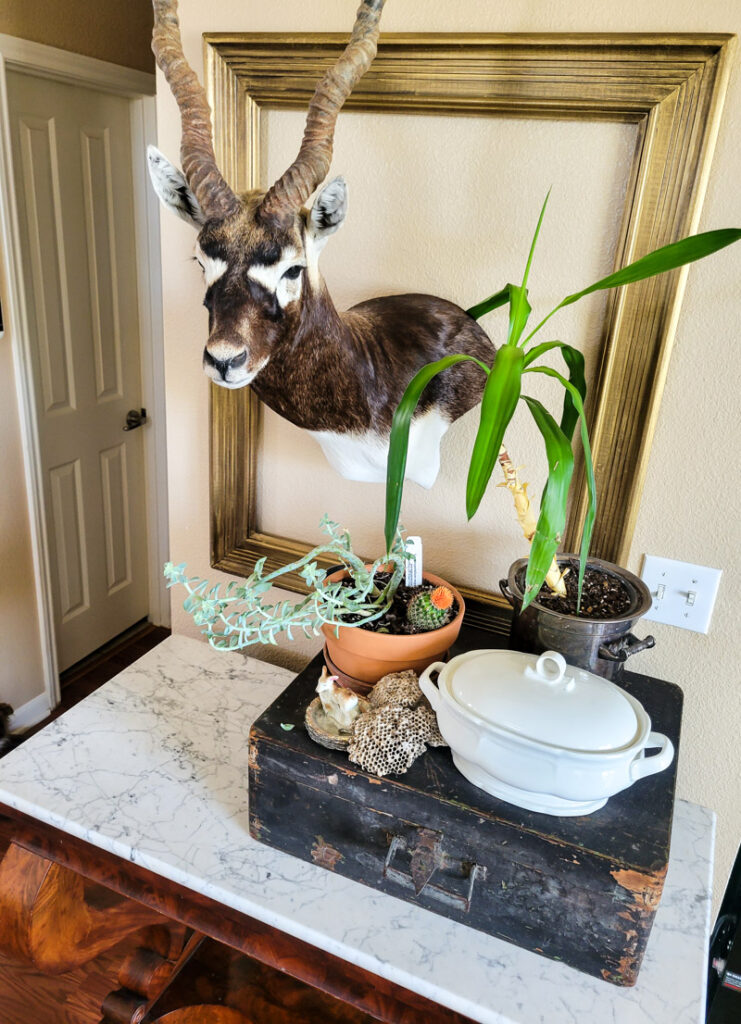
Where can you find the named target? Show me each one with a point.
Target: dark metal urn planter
(599, 645)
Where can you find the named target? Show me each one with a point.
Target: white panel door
(72, 168)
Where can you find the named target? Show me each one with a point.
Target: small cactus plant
(430, 609)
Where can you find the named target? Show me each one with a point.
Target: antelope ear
(172, 188)
(329, 210)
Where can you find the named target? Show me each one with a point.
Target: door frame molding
(138, 86)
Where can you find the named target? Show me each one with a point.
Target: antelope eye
(293, 272)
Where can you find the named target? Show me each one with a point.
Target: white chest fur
(363, 456)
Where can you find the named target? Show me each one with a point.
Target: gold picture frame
(671, 86)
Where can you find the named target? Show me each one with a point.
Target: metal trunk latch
(426, 857)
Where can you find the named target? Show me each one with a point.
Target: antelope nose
(222, 366)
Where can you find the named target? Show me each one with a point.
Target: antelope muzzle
(229, 364)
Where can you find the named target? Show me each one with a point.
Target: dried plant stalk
(526, 517)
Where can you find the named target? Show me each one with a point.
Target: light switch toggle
(691, 595)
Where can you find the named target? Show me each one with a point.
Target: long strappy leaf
(552, 518)
(588, 528)
(493, 302)
(668, 257)
(498, 404)
(399, 440)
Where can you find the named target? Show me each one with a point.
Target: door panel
(67, 517)
(37, 140)
(116, 517)
(72, 168)
(101, 247)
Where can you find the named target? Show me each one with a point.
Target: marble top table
(152, 767)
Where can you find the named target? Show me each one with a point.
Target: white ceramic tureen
(542, 734)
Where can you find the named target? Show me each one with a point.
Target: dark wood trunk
(581, 890)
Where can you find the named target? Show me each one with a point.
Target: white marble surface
(153, 767)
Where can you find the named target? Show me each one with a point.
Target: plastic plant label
(413, 564)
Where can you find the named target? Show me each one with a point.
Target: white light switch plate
(688, 595)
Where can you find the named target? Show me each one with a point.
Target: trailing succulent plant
(238, 615)
(430, 609)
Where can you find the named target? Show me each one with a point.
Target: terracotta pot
(361, 657)
(598, 645)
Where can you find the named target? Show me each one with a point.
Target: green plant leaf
(586, 536)
(519, 308)
(552, 518)
(535, 239)
(540, 350)
(493, 302)
(516, 295)
(519, 313)
(498, 404)
(669, 257)
(575, 362)
(399, 440)
(571, 411)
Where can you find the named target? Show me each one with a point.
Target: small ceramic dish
(542, 734)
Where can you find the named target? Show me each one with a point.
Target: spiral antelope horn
(196, 145)
(311, 165)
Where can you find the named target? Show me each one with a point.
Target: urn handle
(643, 766)
(624, 646)
(427, 686)
(507, 593)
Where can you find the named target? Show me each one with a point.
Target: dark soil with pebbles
(395, 619)
(603, 596)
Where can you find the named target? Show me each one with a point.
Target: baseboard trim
(30, 713)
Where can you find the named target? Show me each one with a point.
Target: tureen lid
(543, 699)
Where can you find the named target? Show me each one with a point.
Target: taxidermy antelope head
(272, 323)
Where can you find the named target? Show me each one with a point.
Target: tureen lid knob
(549, 668)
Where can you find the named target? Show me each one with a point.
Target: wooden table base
(203, 1015)
(64, 902)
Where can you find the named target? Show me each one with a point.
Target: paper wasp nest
(391, 735)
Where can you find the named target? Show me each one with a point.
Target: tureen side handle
(643, 766)
(427, 686)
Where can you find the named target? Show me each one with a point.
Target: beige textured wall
(688, 509)
(112, 30)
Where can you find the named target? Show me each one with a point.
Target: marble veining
(153, 768)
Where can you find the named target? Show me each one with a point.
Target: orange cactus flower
(442, 598)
